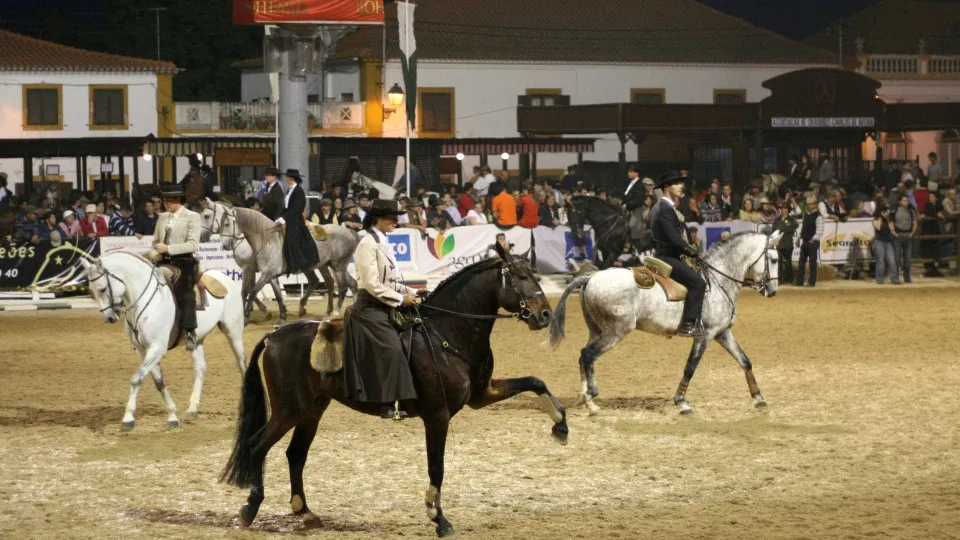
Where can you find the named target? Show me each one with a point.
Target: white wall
(920, 91)
(141, 104)
(486, 94)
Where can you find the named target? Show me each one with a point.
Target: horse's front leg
(278, 294)
(328, 281)
(436, 426)
(696, 353)
(312, 284)
(245, 287)
(501, 389)
(199, 372)
(727, 341)
(252, 294)
(151, 358)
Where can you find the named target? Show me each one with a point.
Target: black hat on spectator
(669, 178)
(633, 168)
(172, 191)
(415, 201)
(295, 174)
(379, 209)
(271, 171)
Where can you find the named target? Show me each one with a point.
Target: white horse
(613, 305)
(128, 285)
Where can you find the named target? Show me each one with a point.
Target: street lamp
(395, 99)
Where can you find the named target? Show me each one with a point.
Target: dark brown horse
(451, 361)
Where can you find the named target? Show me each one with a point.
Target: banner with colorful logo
(453, 249)
(847, 242)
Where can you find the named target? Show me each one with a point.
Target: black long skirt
(375, 365)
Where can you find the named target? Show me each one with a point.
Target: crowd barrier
(427, 255)
(420, 255)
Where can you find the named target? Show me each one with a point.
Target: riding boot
(691, 328)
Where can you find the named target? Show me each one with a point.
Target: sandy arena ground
(860, 439)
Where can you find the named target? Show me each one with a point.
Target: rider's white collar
(669, 201)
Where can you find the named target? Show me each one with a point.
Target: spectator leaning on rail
(69, 228)
(930, 249)
(146, 222)
(504, 208)
(905, 220)
(122, 222)
(786, 224)
(27, 224)
(529, 210)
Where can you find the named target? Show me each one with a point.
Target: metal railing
(261, 116)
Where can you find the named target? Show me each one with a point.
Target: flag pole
(406, 120)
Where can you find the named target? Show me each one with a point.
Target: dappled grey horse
(334, 255)
(613, 305)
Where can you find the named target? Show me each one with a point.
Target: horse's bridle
(240, 238)
(117, 306)
(523, 314)
(757, 285)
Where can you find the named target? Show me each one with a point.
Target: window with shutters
(648, 96)
(436, 115)
(42, 106)
(108, 107)
(729, 97)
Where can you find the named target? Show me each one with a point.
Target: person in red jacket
(93, 225)
(467, 200)
(529, 210)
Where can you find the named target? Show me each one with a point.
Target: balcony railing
(910, 65)
(260, 117)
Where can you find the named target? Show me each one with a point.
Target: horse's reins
(118, 307)
(524, 312)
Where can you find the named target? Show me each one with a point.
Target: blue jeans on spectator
(883, 253)
(903, 250)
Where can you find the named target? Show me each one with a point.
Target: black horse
(451, 361)
(610, 225)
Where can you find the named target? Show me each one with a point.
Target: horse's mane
(246, 216)
(722, 247)
(587, 199)
(461, 275)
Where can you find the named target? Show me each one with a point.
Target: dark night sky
(796, 19)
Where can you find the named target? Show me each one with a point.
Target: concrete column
(292, 122)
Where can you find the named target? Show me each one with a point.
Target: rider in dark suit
(668, 237)
(272, 204)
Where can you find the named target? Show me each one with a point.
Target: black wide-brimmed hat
(384, 208)
(669, 178)
(295, 174)
(633, 168)
(271, 171)
(172, 191)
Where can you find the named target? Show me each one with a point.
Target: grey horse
(613, 305)
(257, 245)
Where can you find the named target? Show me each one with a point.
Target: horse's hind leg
(696, 353)
(501, 389)
(312, 284)
(344, 282)
(727, 341)
(278, 294)
(297, 457)
(328, 281)
(275, 429)
(199, 372)
(601, 341)
(172, 421)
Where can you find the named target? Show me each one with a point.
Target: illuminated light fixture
(460, 156)
(199, 156)
(147, 157)
(395, 98)
(504, 156)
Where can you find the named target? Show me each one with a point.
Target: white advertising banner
(712, 232)
(846, 242)
(555, 245)
(211, 255)
(445, 253)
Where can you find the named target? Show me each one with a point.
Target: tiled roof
(896, 27)
(622, 31)
(22, 53)
(616, 31)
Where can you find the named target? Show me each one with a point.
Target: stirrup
(695, 330)
(191, 341)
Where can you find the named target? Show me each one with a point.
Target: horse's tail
(560, 314)
(241, 468)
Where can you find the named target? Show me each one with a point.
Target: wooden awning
(207, 146)
(490, 147)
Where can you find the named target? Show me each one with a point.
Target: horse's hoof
(760, 405)
(560, 433)
(685, 409)
(246, 515)
(267, 315)
(302, 312)
(192, 416)
(127, 427)
(311, 521)
(593, 408)
(444, 528)
(173, 424)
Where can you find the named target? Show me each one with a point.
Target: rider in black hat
(271, 204)
(669, 239)
(176, 239)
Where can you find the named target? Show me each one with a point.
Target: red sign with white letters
(308, 11)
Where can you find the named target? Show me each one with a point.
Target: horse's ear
(774, 239)
(500, 251)
(526, 254)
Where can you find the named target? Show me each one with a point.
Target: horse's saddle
(656, 271)
(205, 284)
